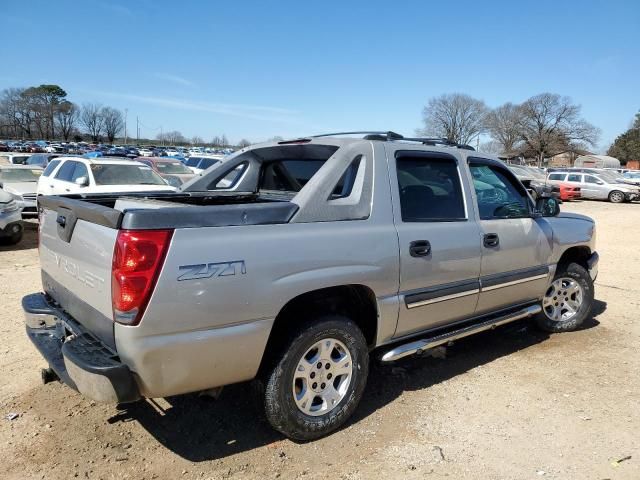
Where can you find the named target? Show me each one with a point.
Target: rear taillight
(137, 259)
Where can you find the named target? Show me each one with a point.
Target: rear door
(516, 248)
(439, 241)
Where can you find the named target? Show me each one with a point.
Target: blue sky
(259, 69)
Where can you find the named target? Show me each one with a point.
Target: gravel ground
(510, 404)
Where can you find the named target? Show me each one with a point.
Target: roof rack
(393, 136)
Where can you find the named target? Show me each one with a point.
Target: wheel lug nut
(328, 366)
(329, 376)
(315, 385)
(313, 375)
(322, 385)
(319, 365)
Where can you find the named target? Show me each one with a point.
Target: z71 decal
(208, 270)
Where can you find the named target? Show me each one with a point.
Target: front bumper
(592, 263)
(80, 360)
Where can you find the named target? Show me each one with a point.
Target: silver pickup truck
(293, 263)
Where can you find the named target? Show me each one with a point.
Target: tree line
(541, 127)
(44, 112)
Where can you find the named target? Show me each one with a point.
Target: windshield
(632, 175)
(20, 175)
(172, 167)
(609, 176)
(119, 174)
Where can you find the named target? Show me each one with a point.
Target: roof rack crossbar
(391, 136)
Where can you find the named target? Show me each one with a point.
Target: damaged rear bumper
(78, 358)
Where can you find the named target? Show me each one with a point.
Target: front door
(516, 247)
(439, 243)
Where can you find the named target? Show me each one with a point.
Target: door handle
(420, 248)
(491, 240)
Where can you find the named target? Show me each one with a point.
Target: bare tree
(503, 124)
(224, 141)
(196, 140)
(66, 118)
(15, 114)
(92, 120)
(494, 147)
(243, 143)
(113, 122)
(216, 141)
(550, 124)
(172, 138)
(457, 117)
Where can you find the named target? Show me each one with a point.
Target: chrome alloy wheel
(563, 299)
(322, 377)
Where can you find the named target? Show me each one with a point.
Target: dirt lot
(512, 404)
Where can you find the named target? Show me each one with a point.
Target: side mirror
(82, 181)
(548, 206)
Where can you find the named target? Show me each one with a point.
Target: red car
(569, 192)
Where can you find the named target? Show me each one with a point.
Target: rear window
(172, 167)
(289, 175)
(207, 162)
(125, 175)
(193, 161)
(557, 176)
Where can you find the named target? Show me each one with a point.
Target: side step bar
(419, 346)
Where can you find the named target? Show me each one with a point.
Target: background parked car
(100, 175)
(632, 177)
(596, 186)
(20, 181)
(41, 159)
(12, 158)
(10, 219)
(172, 170)
(201, 163)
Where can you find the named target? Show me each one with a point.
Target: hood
(20, 188)
(576, 216)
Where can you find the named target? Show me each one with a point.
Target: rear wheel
(318, 380)
(568, 300)
(616, 196)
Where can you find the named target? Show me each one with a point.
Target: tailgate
(77, 239)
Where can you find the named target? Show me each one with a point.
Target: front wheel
(616, 197)
(568, 301)
(318, 381)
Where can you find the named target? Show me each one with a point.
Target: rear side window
(557, 176)
(66, 171)
(50, 168)
(590, 179)
(574, 178)
(207, 162)
(430, 189)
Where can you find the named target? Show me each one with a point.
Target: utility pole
(162, 135)
(137, 131)
(125, 125)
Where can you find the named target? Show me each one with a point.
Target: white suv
(98, 175)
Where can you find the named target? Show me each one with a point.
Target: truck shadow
(201, 429)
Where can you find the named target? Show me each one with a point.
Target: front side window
(80, 171)
(430, 189)
(590, 179)
(498, 195)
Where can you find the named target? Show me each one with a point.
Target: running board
(419, 346)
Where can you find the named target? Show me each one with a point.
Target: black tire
(578, 273)
(11, 239)
(281, 410)
(616, 196)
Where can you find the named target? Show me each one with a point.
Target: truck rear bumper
(80, 360)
